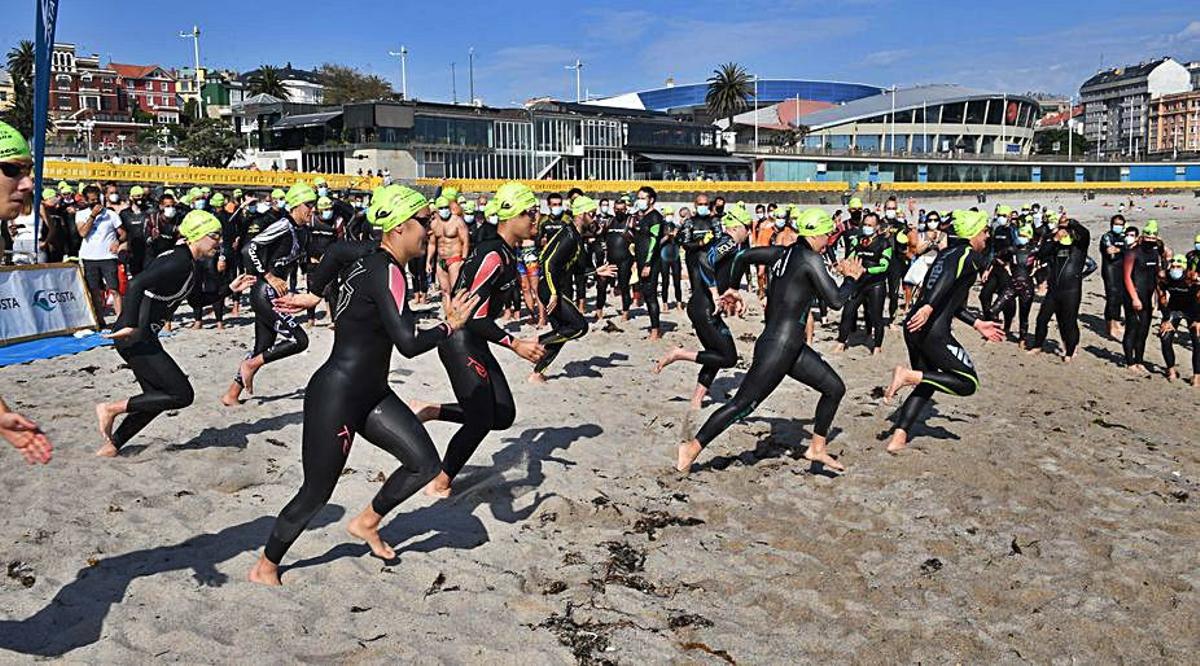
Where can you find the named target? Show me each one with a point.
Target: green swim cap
(584, 204)
(1151, 228)
(217, 200)
(1066, 240)
(197, 224)
(1179, 260)
(300, 193)
(514, 198)
(324, 203)
(461, 199)
(49, 193)
(64, 186)
(169, 193)
(814, 222)
(492, 207)
(735, 216)
(451, 193)
(855, 202)
(442, 202)
(967, 223)
(195, 192)
(319, 181)
(206, 190)
(1004, 210)
(395, 206)
(666, 210)
(1025, 231)
(237, 192)
(277, 193)
(136, 191)
(13, 147)
(1197, 238)
(469, 207)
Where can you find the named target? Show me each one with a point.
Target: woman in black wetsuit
(1179, 300)
(349, 394)
(149, 302)
(1067, 263)
(273, 255)
(1143, 262)
(797, 276)
(939, 362)
(706, 250)
(484, 402)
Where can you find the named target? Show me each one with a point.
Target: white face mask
(322, 191)
(1130, 240)
(469, 218)
(1021, 240)
(493, 219)
(605, 210)
(444, 213)
(262, 207)
(277, 204)
(702, 210)
(201, 204)
(890, 214)
(114, 198)
(169, 211)
(327, 215)
(556, 210)
(642, 204)
(1175, 273)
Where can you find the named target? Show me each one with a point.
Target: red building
(86, 102)
(149, 88)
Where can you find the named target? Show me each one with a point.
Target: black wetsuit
(149, 302)
(1111, 269)
(617, 252)
(1181, 301)
(349, 394)
(897, 266)
(484, 400)
(877, 255)
(932, 350)
(1066, 266)
(135, 222)
(1017, 296)
(557, 263)
(798, 275)
(707, 252)
(276, 250)
(648, 243)
(1142, 264)
(671, 267)
(1000, 250)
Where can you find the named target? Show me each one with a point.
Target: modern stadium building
(689, 97)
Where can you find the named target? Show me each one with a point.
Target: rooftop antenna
(578, 67)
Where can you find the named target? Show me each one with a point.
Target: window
(975, 111)
(163, 86)
(953, 113)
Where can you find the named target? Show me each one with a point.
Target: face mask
(322, 191)
(444, 213)
(327, 215)
(262, 207)
(556, 210)
(702, 210)
(779, 224)
(868, 231)
(720, 210)
(642, 204)
(493, 219)
(277, 204)
(605, 210)
(758, 217)
(469, 218)
(1021, 240)
(1197, 246)
(890, 214)
(920, 226)
(169, 211)
(114, 198)
(1130, 240)
(1118, 229)
(1175, 273)
(201, 204)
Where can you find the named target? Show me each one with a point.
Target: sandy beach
(1053, 517)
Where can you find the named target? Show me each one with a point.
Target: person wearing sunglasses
(273, 254)
(150, 301)
(349, 394)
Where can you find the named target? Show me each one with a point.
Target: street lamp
(403, 55)
(195, 36)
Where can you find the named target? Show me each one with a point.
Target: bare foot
(838, 348)
(655, 334)
(439, 487)
(107, 451)
(686, 455)
(232, 397)
(876, 351)
(1068, 359)
(1195, 381)
(220, 326)
(425, 411)
(901, 377)
(265, 572)
(365, 526)
(624, 316)
(105, 418)
(537, 378)
(195, 325)
(667, 359)
(820, 455)
(247, 373)
(1033, 350)
(898, 443)
(1138, 370)
(1172, 375)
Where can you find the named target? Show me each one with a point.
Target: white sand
(1051, 517)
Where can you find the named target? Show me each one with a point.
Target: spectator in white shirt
(100, 229)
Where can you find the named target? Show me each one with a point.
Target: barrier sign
(42, 300)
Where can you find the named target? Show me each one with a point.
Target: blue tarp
(23, 352)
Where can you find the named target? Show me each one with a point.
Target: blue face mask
(1175, 273)
(326, 215)
(469, 218)
(779, 223)
(702, 211)
(642, 204)
(1197, 246)
(444, 213)
(868, 231)
(322, 191)
(1118, 229)
(556, 210)
(262, 207)
(201, 204)
(1021, 240)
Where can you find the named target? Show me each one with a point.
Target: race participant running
(617, 252)
(1179, 300)
(1067, 265)
(648, 236)
(150, 301)
(484, 402)
(452, 244)
(349, 394)
(558, 261)
(798, 275)
(272, 255)
(939, 362)
(1143, 261)
(707, 251)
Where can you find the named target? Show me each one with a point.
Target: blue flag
(47, 16)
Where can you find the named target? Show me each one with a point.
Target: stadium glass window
(868, 142)
(953, 113)
(975, 111)
(838, 141)
(904, 116)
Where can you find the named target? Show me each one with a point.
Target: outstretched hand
(121, 334)
(731, 303)
(919, 318)
(851, 268)
(26, 437)
(990, 330)
(529, 349)
(607, 270)
(242, 283)
(461, 306)
(295, 303)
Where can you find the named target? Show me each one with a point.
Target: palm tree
(20, 68)
(729, 90)
(20, 63)
(268, 81)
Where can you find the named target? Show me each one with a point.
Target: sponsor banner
(178, 176)
(47, 17)
(43, 300)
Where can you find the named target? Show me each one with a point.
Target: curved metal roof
(769, 91)
(906, 99)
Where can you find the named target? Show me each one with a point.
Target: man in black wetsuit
(1067, 263)
(1143, 261)
(797, 276)
(272, 255)
(149, 302)
(707, 251)
(349, 393)
(484, 402)
(135, 220)
(617, 234)
(1179, 301)
(939, 362)
(649, 229)
(557, 261)
(1112, 263)
(875, 251)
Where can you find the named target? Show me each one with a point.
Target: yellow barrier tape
(1045, 186)
(727, 187)
(174, 175)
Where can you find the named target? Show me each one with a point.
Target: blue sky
(522, 47)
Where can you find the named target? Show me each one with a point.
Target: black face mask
(719, 210)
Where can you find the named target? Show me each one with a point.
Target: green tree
(268, 81)
(1047, 138)
(141, 115)
(19, 63)
(187, 115)
(210, 142)
(345, 84)
(729, 90)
